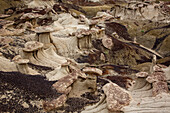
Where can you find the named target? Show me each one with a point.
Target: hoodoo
(85, 56)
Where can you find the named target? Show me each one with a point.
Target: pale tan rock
(70, 25)
(157, 104)
(43, 34)
(67, 19)
(26, 25)
(57, 26)
(58, 73)
(22, 65)
(84, 38)
(83, 85)
(107, 43)
(6, 23)
(30, 15)
(116, 97)
(2, 16)
(25, 105)
(51, 28)
(51, 54)
(92, 70)
(102, 57)
(66, 46)
(150, 95)
(37, 54)
(141, 89)
(6, 65)
(103, 15)
(44, 58)
(41, 3)
(140, 11)
(143, 99)
(142, 74)
(83, 18)
(17, 59)
(32, 46)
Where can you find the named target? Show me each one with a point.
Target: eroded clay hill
(87, 56)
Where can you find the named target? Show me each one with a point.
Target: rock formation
(87, 56)
(116, 97)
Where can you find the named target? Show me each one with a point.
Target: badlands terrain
(84, 56)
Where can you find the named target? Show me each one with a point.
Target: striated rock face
(116, 97)
(6, 65)
(141, 11)
(150, 96)
(83, 55)
(83, 85)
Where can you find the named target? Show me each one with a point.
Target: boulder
(159, 87)
(116, 97)
(63, 84)
(156, 76)
(142, 74)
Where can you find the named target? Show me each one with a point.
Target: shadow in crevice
(159, 40)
